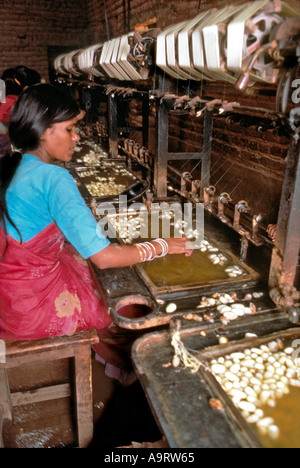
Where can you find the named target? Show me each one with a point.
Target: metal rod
(106, 20)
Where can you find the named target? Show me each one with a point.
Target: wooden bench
(78, 347)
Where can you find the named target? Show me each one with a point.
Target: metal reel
(257, 34)
(141, 54)
(142, 48)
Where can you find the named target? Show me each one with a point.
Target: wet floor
(121, 414)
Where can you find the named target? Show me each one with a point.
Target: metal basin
(193, 409)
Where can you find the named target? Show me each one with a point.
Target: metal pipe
(106, 20)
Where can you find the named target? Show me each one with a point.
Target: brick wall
(28, 27)
(248, 158)
(166, 11)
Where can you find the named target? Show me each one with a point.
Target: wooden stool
(78, 347)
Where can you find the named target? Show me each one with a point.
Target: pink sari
(47, 289)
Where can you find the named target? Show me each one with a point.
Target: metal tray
(181, 400)
(125, 184)
(87, 153)
(248, 278)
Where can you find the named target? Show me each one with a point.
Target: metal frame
(114, 129)
(285, 254)
(287, 243)
(163, 155)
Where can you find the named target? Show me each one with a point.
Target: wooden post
(5, 395)
(84, 395)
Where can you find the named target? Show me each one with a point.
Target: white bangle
(152, 251)
(148, 251)
(146, 254)
(164, 245)
(141, 252)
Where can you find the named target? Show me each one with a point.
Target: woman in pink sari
(48, 236)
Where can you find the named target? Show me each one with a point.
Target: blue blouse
(42, 193)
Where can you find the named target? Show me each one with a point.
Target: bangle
(148, 253)
(140, 251)
(141, 246)
(151, 249)
(164, 245)
(147, 250)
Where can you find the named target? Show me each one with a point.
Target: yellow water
(174, 270)
(286, 417)
(179, 270)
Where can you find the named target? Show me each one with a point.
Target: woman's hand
(271, 231)
(179, 246)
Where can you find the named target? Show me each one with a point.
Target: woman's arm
(76, 221)
(114, 255)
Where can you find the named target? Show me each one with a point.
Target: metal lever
(142, 153)
(287, 298)
(130, 146)
(258, 220)
(196, 187)
(208, 194)
(241, 207)
(149, 200)
(223, 200)
(136, 149)
(185, 177)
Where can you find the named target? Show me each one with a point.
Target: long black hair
(18, 78)
(37, 109)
